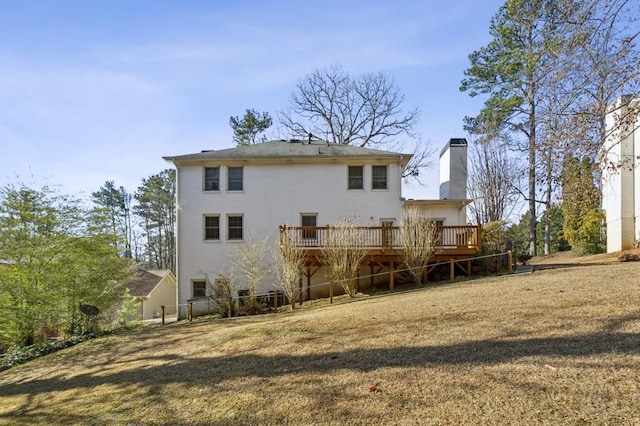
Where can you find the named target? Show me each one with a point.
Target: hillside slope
(556, 346)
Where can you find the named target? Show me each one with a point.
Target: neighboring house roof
(288, 149)
(144, 281)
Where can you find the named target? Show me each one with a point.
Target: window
(234, 227)
(234, 179)
(356, 177)
(199, 288)
(212, 227)
(310, 220)
(379, 177)
(212, 178)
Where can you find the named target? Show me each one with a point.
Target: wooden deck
(454, 244)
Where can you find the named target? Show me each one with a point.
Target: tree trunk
(547, 212)
(532, 182)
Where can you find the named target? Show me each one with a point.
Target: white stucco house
(228, 196)
(621, 175)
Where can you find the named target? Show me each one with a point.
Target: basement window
(199, 288)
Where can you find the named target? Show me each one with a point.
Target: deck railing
(384, 237)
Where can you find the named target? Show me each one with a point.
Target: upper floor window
(234, 227)
(379, 177)
(356, 177)
(212, 178)
(212, 227)
(234, 179)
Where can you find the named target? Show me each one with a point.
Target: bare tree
(251, 268)
(344, 252)
(289, 259)
(221, 290)
(606, 66)
(366, 110)
(493, 182)
(419, 240)
(512, 70)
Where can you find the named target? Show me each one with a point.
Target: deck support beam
(452, 269)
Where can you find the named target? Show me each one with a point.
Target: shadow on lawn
(210, 371)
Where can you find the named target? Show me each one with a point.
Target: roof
(288, 149)
(144, 281)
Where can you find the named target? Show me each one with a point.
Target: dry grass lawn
(559, 346)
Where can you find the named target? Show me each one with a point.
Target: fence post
(229, 305)
(510, 261)
(275, 300)
(190, 311)
(162, 307)
(452, 269)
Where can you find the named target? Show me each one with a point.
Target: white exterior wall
(621, 188)
(273, 194)
(445, 174)
(636, 177)
(452, 213)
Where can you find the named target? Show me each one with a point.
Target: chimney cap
(457, 142)
(454, 142)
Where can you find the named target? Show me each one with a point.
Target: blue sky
(93, 90)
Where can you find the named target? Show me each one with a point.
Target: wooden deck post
(230, 306)
(162, 307)
(510, 255)
(371, 278)
(300, 292)
(275, 300)
(452, 269)
(391, 266)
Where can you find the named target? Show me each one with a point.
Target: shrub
(20, 354)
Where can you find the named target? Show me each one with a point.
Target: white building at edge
(621, 176)
(227, 197)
